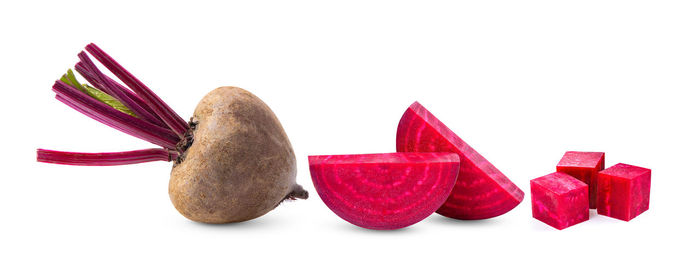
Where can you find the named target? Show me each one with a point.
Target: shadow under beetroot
(442, 220)
(351, 228)
(432, 219)
(261, 222)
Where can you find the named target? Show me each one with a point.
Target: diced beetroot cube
(584, 166)
(623, 191)
(559, 200)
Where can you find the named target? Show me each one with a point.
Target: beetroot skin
(231, 163)
(559, 200)
(384, 191)
(481, 191)
(240, 165)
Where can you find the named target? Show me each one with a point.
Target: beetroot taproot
(481, 191)
(232, 161)
(384, 191)
(240, 164)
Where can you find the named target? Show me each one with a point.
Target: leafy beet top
(384, 191)
(133, 109)
(481, 191)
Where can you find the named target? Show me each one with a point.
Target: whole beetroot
(240, 164)
(232, 161)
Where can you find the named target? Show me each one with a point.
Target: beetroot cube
(584, 166)
(623, 191)
(559, 200)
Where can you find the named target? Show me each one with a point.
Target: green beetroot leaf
(69, 78)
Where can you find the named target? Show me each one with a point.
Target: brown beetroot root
(240, 164)
(233, 161)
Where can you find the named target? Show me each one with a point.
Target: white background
(521, 81)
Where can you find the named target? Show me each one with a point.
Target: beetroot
(559, 200)
(384, 191)
(584, 166)
(623, 191)
(481, 191)
(232, 162)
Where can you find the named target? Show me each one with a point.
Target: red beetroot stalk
(80, 67)
(88, 113)
(130, 157)
(115, 91)
(102, 159)
(115, 118)
(172, 119)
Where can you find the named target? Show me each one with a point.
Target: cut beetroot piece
(623, 191)
(559, 200)
(584, 166)
(481, 191)
(384, 191)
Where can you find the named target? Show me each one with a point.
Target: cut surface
(559, 200)
(584, 166)
(481, 191)
(384, 191)
(623, 191)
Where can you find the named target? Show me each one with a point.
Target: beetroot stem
(114, 91)
(114, 118)
(90, 77)
(102, 159)
(172, 119)
(88, 113)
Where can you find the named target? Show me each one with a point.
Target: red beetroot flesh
(623, 191)
(384, 191)
(481, 191)
(584, 166)
(559, 200)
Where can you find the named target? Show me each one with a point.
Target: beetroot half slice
(481, 190)
(384, 191)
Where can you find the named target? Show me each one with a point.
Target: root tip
(298, 193)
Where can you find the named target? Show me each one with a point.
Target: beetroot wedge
(481, 190)
(384, 191)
